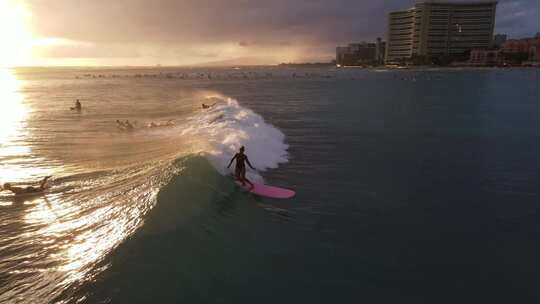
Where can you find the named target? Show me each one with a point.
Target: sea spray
(227, 126)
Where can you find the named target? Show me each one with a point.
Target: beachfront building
(534, 60)
(380, 51)
(513, 46)
(526, 45)
(400, 35)
(439, 28)
(482, 57)
(358, 54)
(526, 51)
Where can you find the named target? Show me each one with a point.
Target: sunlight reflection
(16, 38)
(12, 127)
(14, 112)
(87, 238)
(15, 161)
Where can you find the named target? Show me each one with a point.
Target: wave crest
(227, 126)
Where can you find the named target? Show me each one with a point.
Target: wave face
(106, 179)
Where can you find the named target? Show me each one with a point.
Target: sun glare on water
(16, 39)
(12, 119)
(14, 111)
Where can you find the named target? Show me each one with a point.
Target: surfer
(121, 125)
(29, 189)
(78, 106)
(128, 125)
(205, 106)
(240, 171)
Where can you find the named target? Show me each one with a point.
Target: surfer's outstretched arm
(247, 161)
(232, 161)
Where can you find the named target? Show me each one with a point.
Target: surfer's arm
(16, 190)
(231, 161)
(43, 183)
(247, 161)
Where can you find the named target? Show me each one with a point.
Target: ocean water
(415, 186)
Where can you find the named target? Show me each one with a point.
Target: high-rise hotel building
(433, 28)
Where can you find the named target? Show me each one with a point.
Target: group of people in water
(240, 158)
(130, 126)
(239, 173)
(124, 125)
(224, 75)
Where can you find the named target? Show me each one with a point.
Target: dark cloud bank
(315, 25)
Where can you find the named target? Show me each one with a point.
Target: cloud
(518, 18)
(301, 28)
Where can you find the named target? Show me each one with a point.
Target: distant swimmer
(124, 126)
(240, 171)
(168, 123)
(30, 189)
(128, 125)
(78, 106)
(120, 125)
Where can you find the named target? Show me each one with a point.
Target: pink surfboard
(268, 191)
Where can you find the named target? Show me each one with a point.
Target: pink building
(527, 45)
(534, 52)
(481, 57)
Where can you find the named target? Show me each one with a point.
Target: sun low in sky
(16, 39)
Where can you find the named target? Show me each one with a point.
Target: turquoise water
(412, 186)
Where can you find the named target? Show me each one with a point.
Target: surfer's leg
(43, 183)
(238, 175)
(251, 185)
(245, 179)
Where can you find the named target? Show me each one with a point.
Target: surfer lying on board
(205, 106)
(29, 189)
(240, 171)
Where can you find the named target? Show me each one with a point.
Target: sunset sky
(183, 32)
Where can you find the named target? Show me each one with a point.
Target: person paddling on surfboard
(78, 106)
(240, 171)
(29, 189)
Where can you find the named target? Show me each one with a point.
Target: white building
(435, 28)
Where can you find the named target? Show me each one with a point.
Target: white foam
(227, 126)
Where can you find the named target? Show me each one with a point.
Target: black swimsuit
(240, 159)
(31, 189)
